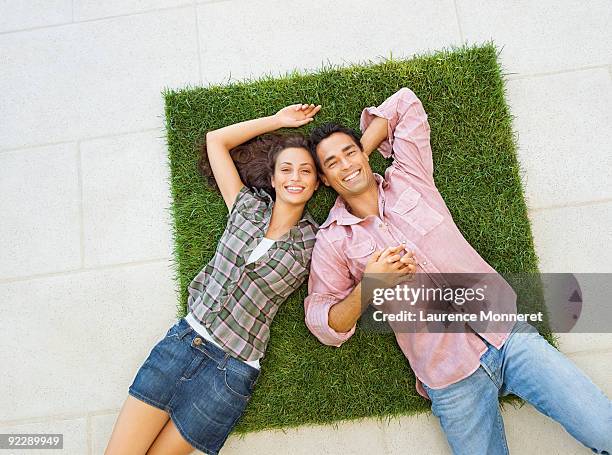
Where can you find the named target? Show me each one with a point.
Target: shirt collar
(263, 194)
(340, 214)
(308, 218)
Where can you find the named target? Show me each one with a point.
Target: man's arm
(375, 133)
(388, 266)
(334, 303)
(408, 133)
(345, 314)
(329, 283)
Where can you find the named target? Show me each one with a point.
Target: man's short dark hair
(322, 132)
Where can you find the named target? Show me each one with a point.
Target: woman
(197, 380)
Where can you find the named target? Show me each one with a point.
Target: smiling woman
(198, 379)
(255, 159)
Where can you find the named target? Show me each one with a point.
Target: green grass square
(476, 170)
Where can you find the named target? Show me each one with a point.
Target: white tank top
(258, 252)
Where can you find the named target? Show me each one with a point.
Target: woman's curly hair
(255, 159)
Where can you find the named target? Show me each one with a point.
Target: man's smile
(352, 175)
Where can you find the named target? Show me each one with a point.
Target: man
(374, 221)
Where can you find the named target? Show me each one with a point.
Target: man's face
(345, 167)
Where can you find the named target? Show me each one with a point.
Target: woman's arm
(220, 142)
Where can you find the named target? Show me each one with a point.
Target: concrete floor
(85, 238)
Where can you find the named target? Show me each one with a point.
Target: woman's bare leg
(137, 426)
(170, 442)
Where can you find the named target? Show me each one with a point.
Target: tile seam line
(97, 19)
(81, 204)
(571, 205)
(88, 426)
(586, 352)
(383, 428)
(197, 27)
(461, 36)
(60, 417)
(50, 418)
(85, 270)
(514, 76)
(160, 129)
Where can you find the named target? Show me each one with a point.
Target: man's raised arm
(376, 132)
(407, 137)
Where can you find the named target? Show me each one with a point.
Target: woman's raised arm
(220, 142)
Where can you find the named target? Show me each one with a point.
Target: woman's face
(295, 176)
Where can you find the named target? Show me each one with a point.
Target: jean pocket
(238, 384)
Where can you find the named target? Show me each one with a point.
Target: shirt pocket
(416, 211)
(277, 276)
(358, 255)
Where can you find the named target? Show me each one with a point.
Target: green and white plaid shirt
(236, 301)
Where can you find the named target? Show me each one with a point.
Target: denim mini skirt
(204, 390)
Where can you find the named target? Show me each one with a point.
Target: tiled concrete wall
(86, 280)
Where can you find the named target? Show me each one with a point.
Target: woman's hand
(296, 115)
(221, 141)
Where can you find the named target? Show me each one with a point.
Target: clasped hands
(392, 266)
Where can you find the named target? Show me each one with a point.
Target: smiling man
(373, 222)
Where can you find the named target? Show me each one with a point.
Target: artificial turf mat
(476, 170)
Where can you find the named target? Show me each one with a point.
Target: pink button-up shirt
(411, 210)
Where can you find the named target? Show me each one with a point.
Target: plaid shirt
(235, 301)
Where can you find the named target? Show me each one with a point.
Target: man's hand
(296, 115)
(394, 266)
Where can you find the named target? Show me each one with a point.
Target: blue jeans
(204, 390)
(529, 367)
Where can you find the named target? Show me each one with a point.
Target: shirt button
(197, 341)
(424, 262)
